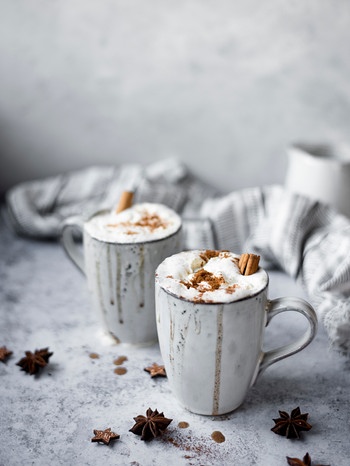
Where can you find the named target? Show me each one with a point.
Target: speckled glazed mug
(213, 353)
(120, 279)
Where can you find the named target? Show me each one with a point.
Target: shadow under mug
(120, 279)
(213, 353)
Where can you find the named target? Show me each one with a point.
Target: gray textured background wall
(224, 85)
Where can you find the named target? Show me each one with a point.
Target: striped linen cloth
(306, 239)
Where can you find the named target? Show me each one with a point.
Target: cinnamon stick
(125, 201)
(248, 263)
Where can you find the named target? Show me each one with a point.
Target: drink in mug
(210, 322)
(121, 252)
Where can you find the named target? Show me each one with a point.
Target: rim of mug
(314, 153)
(99, 212)
(206, 303)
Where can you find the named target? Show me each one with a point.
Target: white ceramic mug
(120, 279)
(321, 173)
(213, 353)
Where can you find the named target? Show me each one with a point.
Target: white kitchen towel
(304, 238)
(307, 240)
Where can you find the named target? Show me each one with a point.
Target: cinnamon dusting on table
(202, 450)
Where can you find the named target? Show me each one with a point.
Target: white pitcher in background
(322, 173)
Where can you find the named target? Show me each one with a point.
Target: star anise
(4, 353)
(104, 436)
(290, 426)
(156, 370)
(306, 461)
(32, 362)
(151, 425)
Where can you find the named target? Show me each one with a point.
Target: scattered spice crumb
(120, 370)
(104, 436)
(194, 448)
(183, 425)
(218, 436)
(120, 360)
(94, 355)
(156, 370)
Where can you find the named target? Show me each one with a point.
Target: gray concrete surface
(49, 419)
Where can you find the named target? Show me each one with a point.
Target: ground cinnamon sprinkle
(232, 288)
(214, 282)
(196, 448)
(150, 221)
(209, 254)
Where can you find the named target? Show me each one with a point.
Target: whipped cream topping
(208, 276)
(140, 223)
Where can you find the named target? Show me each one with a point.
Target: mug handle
(73, 250)
(277, 306)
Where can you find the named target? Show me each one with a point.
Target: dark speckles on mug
(118, 287)
(218, 355)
